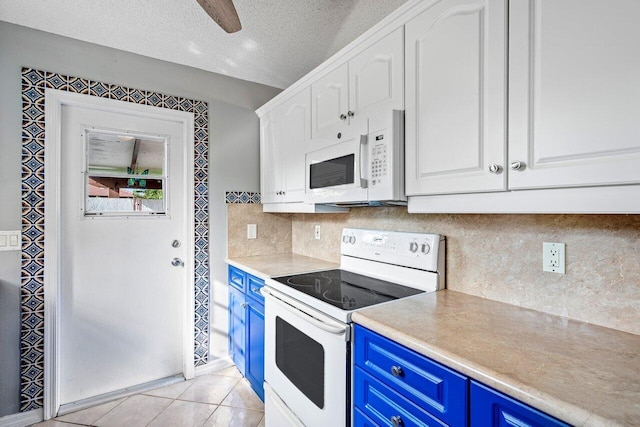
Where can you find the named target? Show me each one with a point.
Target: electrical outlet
(252, 231)
(553, 257)
(317, 232)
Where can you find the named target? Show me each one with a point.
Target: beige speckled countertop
(265, 266)
(583, 374)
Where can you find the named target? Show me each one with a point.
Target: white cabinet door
(574, 102)
(295, 128)
(456, 97)
(330, 95)
(271, 176)
(376, 76)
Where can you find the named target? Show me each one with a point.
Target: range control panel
(416, 250)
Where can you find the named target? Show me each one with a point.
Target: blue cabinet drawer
(237, 278)
(254, 284)
(361, 420)
(381, 404)
(492, 408)
(432, 386)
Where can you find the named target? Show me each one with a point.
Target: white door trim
(54, 101)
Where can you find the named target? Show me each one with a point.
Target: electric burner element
(346, 290)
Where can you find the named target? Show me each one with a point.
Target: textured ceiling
(281, 40)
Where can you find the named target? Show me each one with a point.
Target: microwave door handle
(363, 142)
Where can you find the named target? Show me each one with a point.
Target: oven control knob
(426, 248)
(345, 239)
(413, 247)
(352, 239)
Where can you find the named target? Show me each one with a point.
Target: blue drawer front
(492, 408)
(254, 285)
(380, 403)
(361, 420)
(434, 387)
(237, 278)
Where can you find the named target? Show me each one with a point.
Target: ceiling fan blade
(224, 13)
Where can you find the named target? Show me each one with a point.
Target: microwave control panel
(379, 164)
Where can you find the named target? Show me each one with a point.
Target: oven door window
(338, 171)
(301, 360)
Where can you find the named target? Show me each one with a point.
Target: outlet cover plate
(553, 259)
(317, 232)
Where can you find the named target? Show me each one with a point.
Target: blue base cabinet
(246, 327)
(395, 386)
(493, 409)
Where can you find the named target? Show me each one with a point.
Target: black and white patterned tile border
(34, 83)
(242, 197)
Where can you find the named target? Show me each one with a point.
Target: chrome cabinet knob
(397, 371)
(177, 262)
(343, 117)
(351, 113)
(517, 165)
(243, 305)
(396, 420)
(495, 168)
(175, 244)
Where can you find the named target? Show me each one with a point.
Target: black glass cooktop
(346, 290)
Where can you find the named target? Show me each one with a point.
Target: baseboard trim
(22, 419)
(213, 366)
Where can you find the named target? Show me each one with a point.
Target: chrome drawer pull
(396, 421)
(255, 290)
(397, 371)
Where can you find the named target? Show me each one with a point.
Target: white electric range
(308, 320)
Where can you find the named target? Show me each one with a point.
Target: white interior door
(121, 301)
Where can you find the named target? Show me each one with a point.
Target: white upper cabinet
(455, 71)
(371, 80)
(285, 134)
(330, 96)
(574, 102)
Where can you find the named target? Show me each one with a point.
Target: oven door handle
(294, 307)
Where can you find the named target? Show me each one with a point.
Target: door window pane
(301, 360)
(125, 173)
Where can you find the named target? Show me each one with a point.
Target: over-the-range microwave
(366, 166)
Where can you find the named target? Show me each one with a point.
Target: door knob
(177, 262)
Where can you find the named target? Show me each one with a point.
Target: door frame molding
(54, 101)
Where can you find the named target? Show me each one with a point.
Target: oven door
(306, 362)
(338, 173)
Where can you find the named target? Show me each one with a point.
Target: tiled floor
(223, 398)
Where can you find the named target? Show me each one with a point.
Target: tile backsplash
(493, 256)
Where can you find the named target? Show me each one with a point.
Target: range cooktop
(346, 290)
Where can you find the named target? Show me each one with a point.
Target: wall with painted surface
(233, 129)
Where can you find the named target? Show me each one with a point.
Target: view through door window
(125, 173)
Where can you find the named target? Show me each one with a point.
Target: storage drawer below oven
(385, 406)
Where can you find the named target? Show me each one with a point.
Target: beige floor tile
(261, 423)
(183, 414)
(231, 371)
(137, 410)
(54, 423)
(171, 391)
(243, 396)
(226, 416)
(209, 389)
(90, 415)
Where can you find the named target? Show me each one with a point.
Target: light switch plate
(252, 231)
(10, 240)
